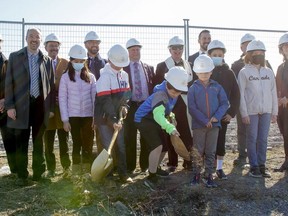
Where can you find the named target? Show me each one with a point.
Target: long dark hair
(84, 75)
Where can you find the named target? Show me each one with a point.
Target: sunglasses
(179, 47)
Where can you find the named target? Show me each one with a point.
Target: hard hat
(77, 52)
(175, 41)
(133, 42)
(203, 64)
(51, 37)
(178, 78)
(118, 55)
(283, 39)
(216, 44)
(247, 37)
(92, 35)
(1, 38)
(255, 45)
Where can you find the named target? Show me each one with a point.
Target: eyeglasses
(177, 47)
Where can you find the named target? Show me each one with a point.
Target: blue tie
(34, 91)
(137, 82)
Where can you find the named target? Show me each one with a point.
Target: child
(111, 88)
(150, 117)
(77, 91)
(207, 104)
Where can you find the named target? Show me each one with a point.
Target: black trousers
(49, 138)
(220, 151)
(36, 122)
(130, 139)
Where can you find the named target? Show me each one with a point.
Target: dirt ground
(239, 195)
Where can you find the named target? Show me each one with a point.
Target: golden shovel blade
(101, 166)
(179, 147)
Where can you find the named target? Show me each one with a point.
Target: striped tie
(137, 82)
(34, 91)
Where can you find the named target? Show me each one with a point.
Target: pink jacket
(76, 99)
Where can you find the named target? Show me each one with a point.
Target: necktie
(54, 65)
(34, 77)
(137, 82)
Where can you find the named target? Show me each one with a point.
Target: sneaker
(195, 180)
(151, 182)
(162, 173)
(221, 175)
(209, 182)
(264, 172)
(255, 172)
(240, 161)
(125, 179)
(171, 169)
(66, 172)
(50, 174)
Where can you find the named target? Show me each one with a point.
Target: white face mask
(77, 66)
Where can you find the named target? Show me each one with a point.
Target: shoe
(21, 182)
(162, 173)
(255, 172)
(195, 180)
(264, 172)
(66, 172)
(50, 174)
(151, 182)
(125, 179)
(187, 165)
(240, 161)
(171, 169)
(221, 175)
(209, 182)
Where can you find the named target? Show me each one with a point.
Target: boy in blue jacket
(207, 104)
(155, 115)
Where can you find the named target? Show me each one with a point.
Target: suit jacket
(149, 74)
(3, 67)
(17, 87)
(192, 58)
(55, 122)
(98, 65)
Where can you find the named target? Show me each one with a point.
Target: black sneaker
(255, 172)
(221, 175)
(162, 173)
(264, 172)
(196, 180)
(209, 182)
(240, 161)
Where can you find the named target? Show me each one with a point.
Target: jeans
(256, 138)
(106, 134)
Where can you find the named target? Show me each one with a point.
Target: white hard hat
(255, 45)
(1, 38)
(92, 35)
(51, 37)
(175, 41)
(133, 42)
(203, 64)
(247, 37)
(216, 44)
(77, 52)
(283, 39)
(178, 78)
(118, 55)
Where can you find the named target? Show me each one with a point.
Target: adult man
(95, 63)
(140, 80)
(204, 38)
(29, 100)
(176, 46)
(52, 46)
(6, 132)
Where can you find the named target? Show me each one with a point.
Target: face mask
(217, 61)
(77, 66)
(258, 59)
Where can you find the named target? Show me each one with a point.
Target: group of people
(87, 96)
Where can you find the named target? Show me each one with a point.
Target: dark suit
(29, 111)
(192, 58)
(130, 130)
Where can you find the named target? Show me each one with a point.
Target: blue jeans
(106, 134)
(256, 138)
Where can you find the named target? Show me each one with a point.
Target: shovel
(179, 147)
(103, 163)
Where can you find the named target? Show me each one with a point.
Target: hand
(227, 118)
(284, 102)
(213, 119)
(124, 111)
(117, 126)
(11, 113)
(246, 120)
(67, 126)
(51, 114)
(175, 133)
(274, 118)
(2, 106)
(209, 124)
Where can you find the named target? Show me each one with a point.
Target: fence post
(186, 38)
(23, 32)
